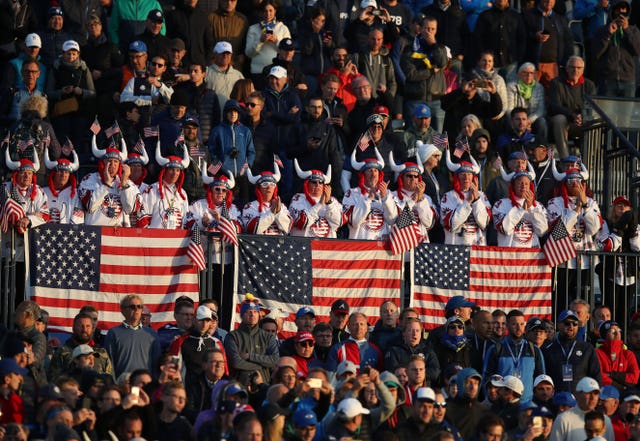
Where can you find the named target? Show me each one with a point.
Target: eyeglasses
(574, 181)
(134, 307)
(252, 105)
(571, 323)
(575, 67)
(153, 63)
(220, 189)
(307, 344)
(456, 326)
(412, 176)
(30, 72)
(315, 182)
(438, 405)
(267, 184)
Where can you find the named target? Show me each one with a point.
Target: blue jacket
(222, 140)
(524, 360)
(595, 16)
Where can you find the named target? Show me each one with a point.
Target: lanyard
(567, 357)
(516, 361)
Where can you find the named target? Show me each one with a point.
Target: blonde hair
(38, 103)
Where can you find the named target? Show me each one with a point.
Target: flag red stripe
(137, 251)
(490, 275)
(344, 245)
(143, 270)
(147, 289)
(355, 283)
(353, 264)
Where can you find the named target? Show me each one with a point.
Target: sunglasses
(134, 307)
(153, 63)
(307, 344)
(438, 405)
(252, 105)
(571, 323)
(456, 327)
(412, 176)
(267, 184)
(220, 190)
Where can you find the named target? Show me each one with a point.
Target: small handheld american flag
(95, 126)
(195, 251)
(462, 145)
(558, 247)
(441, 140)
(150, 132)
(404, 234)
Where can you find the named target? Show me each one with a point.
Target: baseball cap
(137, 46)
(33, 40)
(178, 44)
(564, 399)
(222, 46)
(304, 311)
(83, 350)
(55, 10)
(458, 302)
(340, 307)
(304, 417)
(50, 392)
(9, 366)
(70, 45)
(155, 15)
(425, 394)
(542, 379)
(367, 3)
(346, 366)
(236, 389)
(374, 119)
(605, 326)
(286, 44)
(191, 121)
(227, 406)
(616, 201)
(351, 408)
(609, 393)
(630, 395)
(542, 411)
(454, 319)
(422, 111)
(527, 405)
(203, 313)
(278, 72)
(587, 384)
(535, 323)
(381, 110)
(512, 383)
(567, 314)
(304, 336)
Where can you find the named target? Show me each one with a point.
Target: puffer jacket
(618, 365)
(224, 138)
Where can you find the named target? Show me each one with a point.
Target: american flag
(74, 265)
(441, 140)
(67, 147)
(278, 161)
(214, 168)
(462, 145)
(492, 277)
(179, 139)
(286, 273)
(150, 132)
(404, 234)
(139, 147)
(23, 144)
(113, 130)
(95, 126)
(558, 247)
(364, 140)
(227, 227)
(11, 212)
(195, 251)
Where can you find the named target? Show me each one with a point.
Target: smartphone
(480, 84)
(328, 34)
(376, 12)
(315, 383)
(269, 31)
(365, 370)
(537, 422)
(135, 391)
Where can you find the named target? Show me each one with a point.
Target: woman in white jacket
(263, 39)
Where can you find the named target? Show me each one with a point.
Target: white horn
(583, 171)
(251, 178)
(379, 156)
(232, 181)
(36, 161)
(395, 167)
(123, 149)
(355, 164)
(453, 167)
(506, 176)
(161, 160)
(276, 172)
(476, 167)
(206, 179)
(420, 161)
(145, 157)
(48, 162)
(327, 176)
(532, 171)
(13, 165)
(97, 153)
(75, 165)
(185, 156)
(556, 174)
(301, 173)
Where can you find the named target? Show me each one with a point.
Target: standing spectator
(171, 425)
(263, 39)
(485, 71)
(375, 63)
(315, 42)
(188, 23)
(14, 98)
(338, 318)
(152, 37)
(464, 408)
(249, 348)
(263, 132)
(221, 75)
(346, 71)
(12, 75)
(11, 404)
(421, 423)
(386, 331)
(130, 345)
(53, 37)
(366, 19)
(356, 348)
(128, 19)
(295, 78)
(203, 102)
(183, 314)
(616, 45)
(227, 24)
(78, 15)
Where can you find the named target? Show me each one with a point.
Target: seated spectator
(412, 344)
(528, 93)
(518, 135)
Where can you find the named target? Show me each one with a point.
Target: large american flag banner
(492, 277)
(72, 265)
(286, 273)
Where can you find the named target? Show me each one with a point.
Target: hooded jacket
(618, 364)
(464, 410)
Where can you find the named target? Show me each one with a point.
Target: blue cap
(567, 314)
(422, 111)
(55, 10)
(459, 302)
(570, 159)
(518, 155)
(564, 399)
(526, 405)
(137, 46)
(191, 121)
(304, 311)
(236, 389)
(609, 393)
(9, 366)
(232, 104)
(304, 417)
(247, 306)
(542, 411)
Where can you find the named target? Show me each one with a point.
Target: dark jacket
(503, 33)
(423, 83)
(203, 103)
(560, 36)
(452, 26)
(76, 14)
(52, 42)
(314, 54)
(583, 359)
(616, 54)
(156, 44)
(567, 100)
(466, 412)
(457, 105)
(192, 26)
(100, 54)
(276, 107)
(264, 136)
(384, 336)
(261, 346)
(401, 353)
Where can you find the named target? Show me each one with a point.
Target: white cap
(346, 366)
(425, 394)
(587, 384)
(511, 382)
(83, 350)
(222, 46)
(543, 378)
(351, 408)
(33, 40)
(69, 45)
(278, 72)
(367, 3)
(203, 313)
(631, 398)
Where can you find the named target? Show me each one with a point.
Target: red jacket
(12, 409)
(618, 365)
(345, 93)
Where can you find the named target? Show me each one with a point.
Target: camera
(365, 370)
(376, 12)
